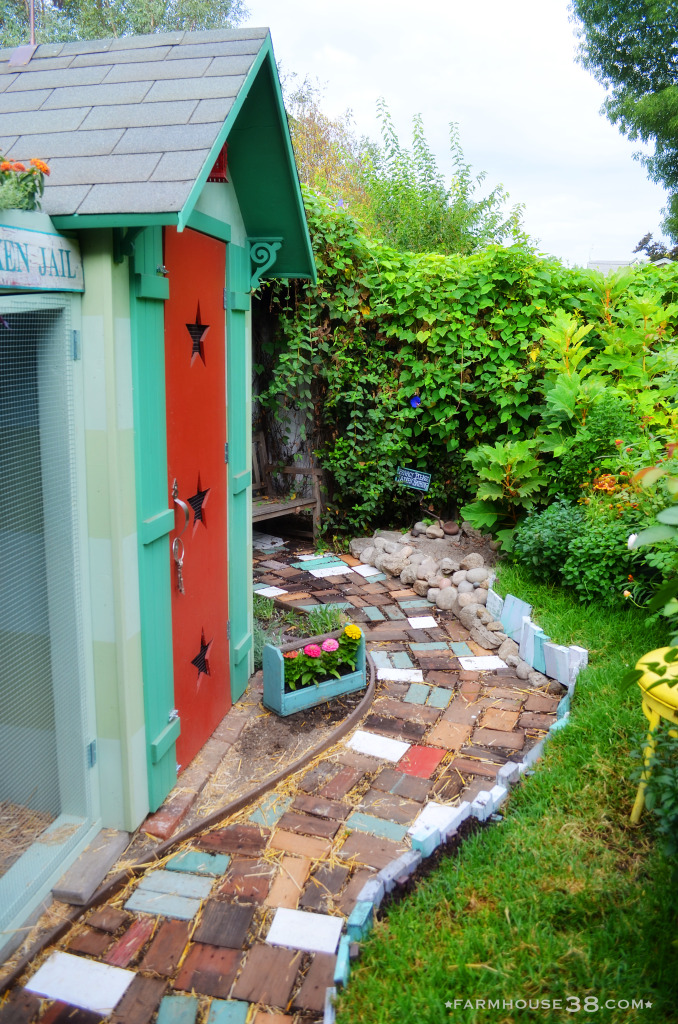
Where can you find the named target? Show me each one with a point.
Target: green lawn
(564, 898)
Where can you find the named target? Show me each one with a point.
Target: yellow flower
(533, 354)
(354, 632)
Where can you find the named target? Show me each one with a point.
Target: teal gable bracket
(154, 519)
(239, 397)
(263, 254)
(200, 221)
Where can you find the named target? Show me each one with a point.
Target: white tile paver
(423, 622)
(401, 675)
(330, 570)
(270, 592)
(434, 815)
(366, 570)
(375, 745)
(313, 933)
(483, 664)
(80, 982)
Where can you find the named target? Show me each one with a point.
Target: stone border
(560, 663)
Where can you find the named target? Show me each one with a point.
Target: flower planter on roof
(287, 702)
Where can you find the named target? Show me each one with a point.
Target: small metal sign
(413, 478)
(39, 260)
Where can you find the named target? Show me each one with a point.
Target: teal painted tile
(394, 612)
(318, 563)
(373, 614)
(539, 662)
(228, 1011)
(462, 650)
(272, 807)
(378, 578)
(418, 603)
(306, 607)
(260, 586)
(381, 659)
(440, 697)
(175, 883)
(360, 921)
(401, 659)
(432, 646)
(376, 826)
(197, 862)
(178, 1010)
(144, 901)
(417, 693)
(342, 966)
(339, 606)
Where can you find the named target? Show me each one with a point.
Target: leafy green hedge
(460, 333)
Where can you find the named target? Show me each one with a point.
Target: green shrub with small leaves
(542, 541)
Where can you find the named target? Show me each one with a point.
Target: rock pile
(431, 561)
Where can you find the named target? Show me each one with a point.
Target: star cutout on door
(197, 503)
(197, 331)
(202, 658)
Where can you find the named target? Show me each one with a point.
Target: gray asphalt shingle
(126, 124)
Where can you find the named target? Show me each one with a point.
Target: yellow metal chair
(659, 702)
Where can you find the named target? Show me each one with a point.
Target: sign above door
(39, 260)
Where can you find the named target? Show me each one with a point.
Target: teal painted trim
(241, 649)
(157, 526)
(114, 220)
(202, 222)
(239, 301)
(151, 286)
(167, 738)
(241, 481)
(154, 519)
(292, 165)
(239, 426)
(187, 210)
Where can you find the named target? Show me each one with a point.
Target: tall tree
(58, 20)
(631, 46)
(411, 206)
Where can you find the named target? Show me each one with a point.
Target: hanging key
(178, 555)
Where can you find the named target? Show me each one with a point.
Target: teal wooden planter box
(276, 699)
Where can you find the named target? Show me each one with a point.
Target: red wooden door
(195, 377)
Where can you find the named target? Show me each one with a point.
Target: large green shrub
(542, 541)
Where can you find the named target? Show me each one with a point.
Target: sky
(506, 73)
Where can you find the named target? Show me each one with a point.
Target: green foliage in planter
(317, 662)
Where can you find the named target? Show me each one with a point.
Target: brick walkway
(253, 920)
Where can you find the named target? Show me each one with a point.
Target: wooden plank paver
(167, 947)
(318, 978)
(21, 1008)
(248, 880)
(140, 1001)
(309, 825)
(127, 947)
(225, 924)
(209, 970)
(268, 975)
(241, 839)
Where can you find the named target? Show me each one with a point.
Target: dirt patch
(267, 745)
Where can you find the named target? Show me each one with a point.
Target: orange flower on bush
(18, 167)
(5, 166)
(606, 483)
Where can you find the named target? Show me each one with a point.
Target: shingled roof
(133, 126)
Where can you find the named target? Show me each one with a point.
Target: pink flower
(330, 645)
(312, 650)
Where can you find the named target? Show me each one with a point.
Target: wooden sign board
(413, 478)
(39, 261)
